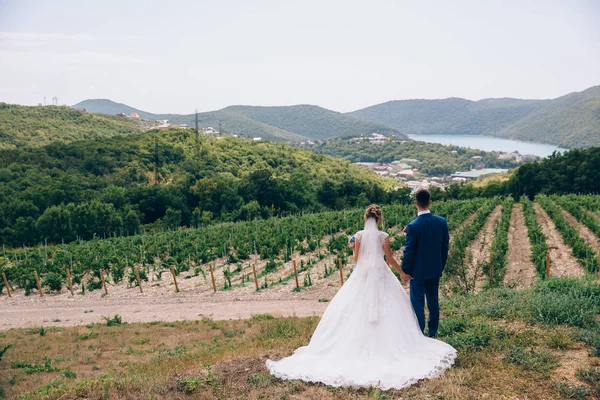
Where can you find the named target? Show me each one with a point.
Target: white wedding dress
(369, 335)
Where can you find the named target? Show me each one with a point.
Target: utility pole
(156, 175)
(197, 131)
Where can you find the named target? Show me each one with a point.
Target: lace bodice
(382, 236)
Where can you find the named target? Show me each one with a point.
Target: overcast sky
(175, 56)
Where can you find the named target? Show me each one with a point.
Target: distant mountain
(569, 121)
(22, 126)
(310, 121)
(449, 116)
(105, 106)
(291, 123)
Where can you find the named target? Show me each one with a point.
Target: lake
(488, 143)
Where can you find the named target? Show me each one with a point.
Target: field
(519, 332)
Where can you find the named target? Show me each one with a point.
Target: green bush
(114, 321)
(567, 391)
(53, 282)
(539, 361)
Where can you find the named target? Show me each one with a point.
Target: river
(489, 143)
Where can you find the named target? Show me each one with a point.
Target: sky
(180, 55)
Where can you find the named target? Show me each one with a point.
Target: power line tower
(156, 174)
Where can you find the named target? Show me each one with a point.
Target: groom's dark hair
(423, 197)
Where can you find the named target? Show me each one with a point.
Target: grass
(505, 351)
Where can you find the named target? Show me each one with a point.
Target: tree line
(164, 180)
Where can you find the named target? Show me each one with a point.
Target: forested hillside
(293, 123)
(435, 159)
(312, 122)
(568, 121)
(449, 116)
(576, 171)
(167, 178)
(38, 126)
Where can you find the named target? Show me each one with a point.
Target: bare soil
(479, 250)
(61, 310)
(520, 271)
(584, 232)
(562, 261)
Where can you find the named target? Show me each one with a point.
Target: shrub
(450, 326)
(567, 391)
(539, 361)
(114, 321)
(53, 282)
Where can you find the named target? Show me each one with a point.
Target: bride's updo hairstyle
(374, 211)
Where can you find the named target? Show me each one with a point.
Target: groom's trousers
(419, 291)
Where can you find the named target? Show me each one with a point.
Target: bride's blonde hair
(374, 211)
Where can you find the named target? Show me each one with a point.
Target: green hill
(434, 159)
(292, 123)
(106, 106)
(312, 122)
(167, 179)
(449, 116)
(38, 126)
(569, 121)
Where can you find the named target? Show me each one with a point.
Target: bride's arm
(389, 257)
(356, 249)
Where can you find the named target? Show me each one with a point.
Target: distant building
(185, 126)
(257, 139)
(134, 115)
(476, 173)
(120, 114)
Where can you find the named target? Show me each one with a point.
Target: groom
(425, 255)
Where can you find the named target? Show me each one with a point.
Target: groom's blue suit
(425, 255)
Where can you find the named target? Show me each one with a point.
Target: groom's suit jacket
(426, 247)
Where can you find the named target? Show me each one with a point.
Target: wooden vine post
(6, 284)
(296, 274)
(212, 277)
(137, 278)
(341, 271)
(103, 281)
(548, 261)
(70, 282)
(39, 286)
(255, 278)
(174, 279)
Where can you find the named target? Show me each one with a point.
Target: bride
(369, 335)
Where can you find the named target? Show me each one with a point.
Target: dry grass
(226, 359)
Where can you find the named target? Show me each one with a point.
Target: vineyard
(309, 253)
(194, 313)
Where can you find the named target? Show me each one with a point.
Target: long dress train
(369, 335)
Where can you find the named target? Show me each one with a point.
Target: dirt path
(519, 269)
(479, 250)
(562, 261)
(80, 310)
(584, 232)
(593, 214)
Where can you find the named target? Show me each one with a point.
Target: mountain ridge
(278, 123)
(571, 121)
